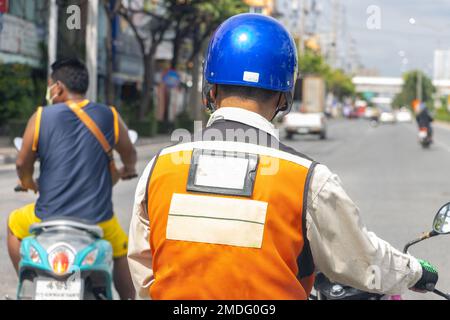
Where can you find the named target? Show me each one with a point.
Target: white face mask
(48, 96)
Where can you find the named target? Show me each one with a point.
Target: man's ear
(59, 86)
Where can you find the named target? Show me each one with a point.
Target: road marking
(441, 125)
(7, 167)
(442, 145)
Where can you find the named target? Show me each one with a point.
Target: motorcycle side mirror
(441, 223)
(18, 143)
(133, 135)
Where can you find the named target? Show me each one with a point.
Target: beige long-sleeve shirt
(342, 247)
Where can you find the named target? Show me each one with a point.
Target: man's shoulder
(290, 150)
(54, 110)
(98, 106)
(55, 107)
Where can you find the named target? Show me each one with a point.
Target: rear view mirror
(133, 135)
(441, 223)
(18, 143)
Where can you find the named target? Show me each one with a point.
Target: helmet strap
(280, 108)
(210, 105)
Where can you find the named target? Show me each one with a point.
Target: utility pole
(301, 40)
(334, 33)
(419, 86)
(92, 48)
(52, 34)
(345, 40)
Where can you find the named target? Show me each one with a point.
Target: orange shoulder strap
(116, 124)
(92, 126)
(37, 128)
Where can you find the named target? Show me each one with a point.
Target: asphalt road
(397, 185)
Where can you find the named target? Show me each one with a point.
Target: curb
(7, 159)
(442, 124)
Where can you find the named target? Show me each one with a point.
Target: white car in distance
(404, 115)
(387, 116)
(305, 123)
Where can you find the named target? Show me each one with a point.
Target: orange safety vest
(206, 245)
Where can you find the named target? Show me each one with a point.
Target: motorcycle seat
(70, 223)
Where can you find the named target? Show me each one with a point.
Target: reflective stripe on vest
(213, 246)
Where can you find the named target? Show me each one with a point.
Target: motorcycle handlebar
(423, 237)
(442, 294)
(130, 177)
(19, 188)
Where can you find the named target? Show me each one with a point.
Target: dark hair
(73, 73)
(250, 93)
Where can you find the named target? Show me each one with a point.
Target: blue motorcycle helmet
(251, 50)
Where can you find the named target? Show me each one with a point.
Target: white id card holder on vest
(222, 172)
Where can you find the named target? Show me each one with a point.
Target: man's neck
(76, 98)
(248, 105)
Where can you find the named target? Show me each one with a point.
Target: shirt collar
(81, 104)
(249, 118)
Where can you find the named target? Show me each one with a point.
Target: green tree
(409, 89)
(312, 63)
(208, 17)
(339, 83)
(19, 92)
(197, 19)
(192, 20)
(149, 36)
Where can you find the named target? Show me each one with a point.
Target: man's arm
(139, 252)
(127, 152)
(27, 157)
(344, 250)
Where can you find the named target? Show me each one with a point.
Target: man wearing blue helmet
(238, 215)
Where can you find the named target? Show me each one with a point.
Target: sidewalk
(8, 153)
(442, 124)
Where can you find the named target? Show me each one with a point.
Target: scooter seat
(71, 223)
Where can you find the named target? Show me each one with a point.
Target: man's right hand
(29, 185)
(127, 173)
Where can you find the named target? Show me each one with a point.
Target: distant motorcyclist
(424, 119)
(375, 117)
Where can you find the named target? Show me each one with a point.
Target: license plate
(302, 130)
(58, 290)
(422, 134)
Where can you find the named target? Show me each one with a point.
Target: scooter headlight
(90, 258)
(34, 255)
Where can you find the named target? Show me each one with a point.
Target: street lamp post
(419, 86)
(301, 40)
(52, 34)
(92, 48)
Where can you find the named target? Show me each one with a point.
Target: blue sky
(379, 49)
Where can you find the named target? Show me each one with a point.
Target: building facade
(265, 7)
(23, 28)
(442, 64)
